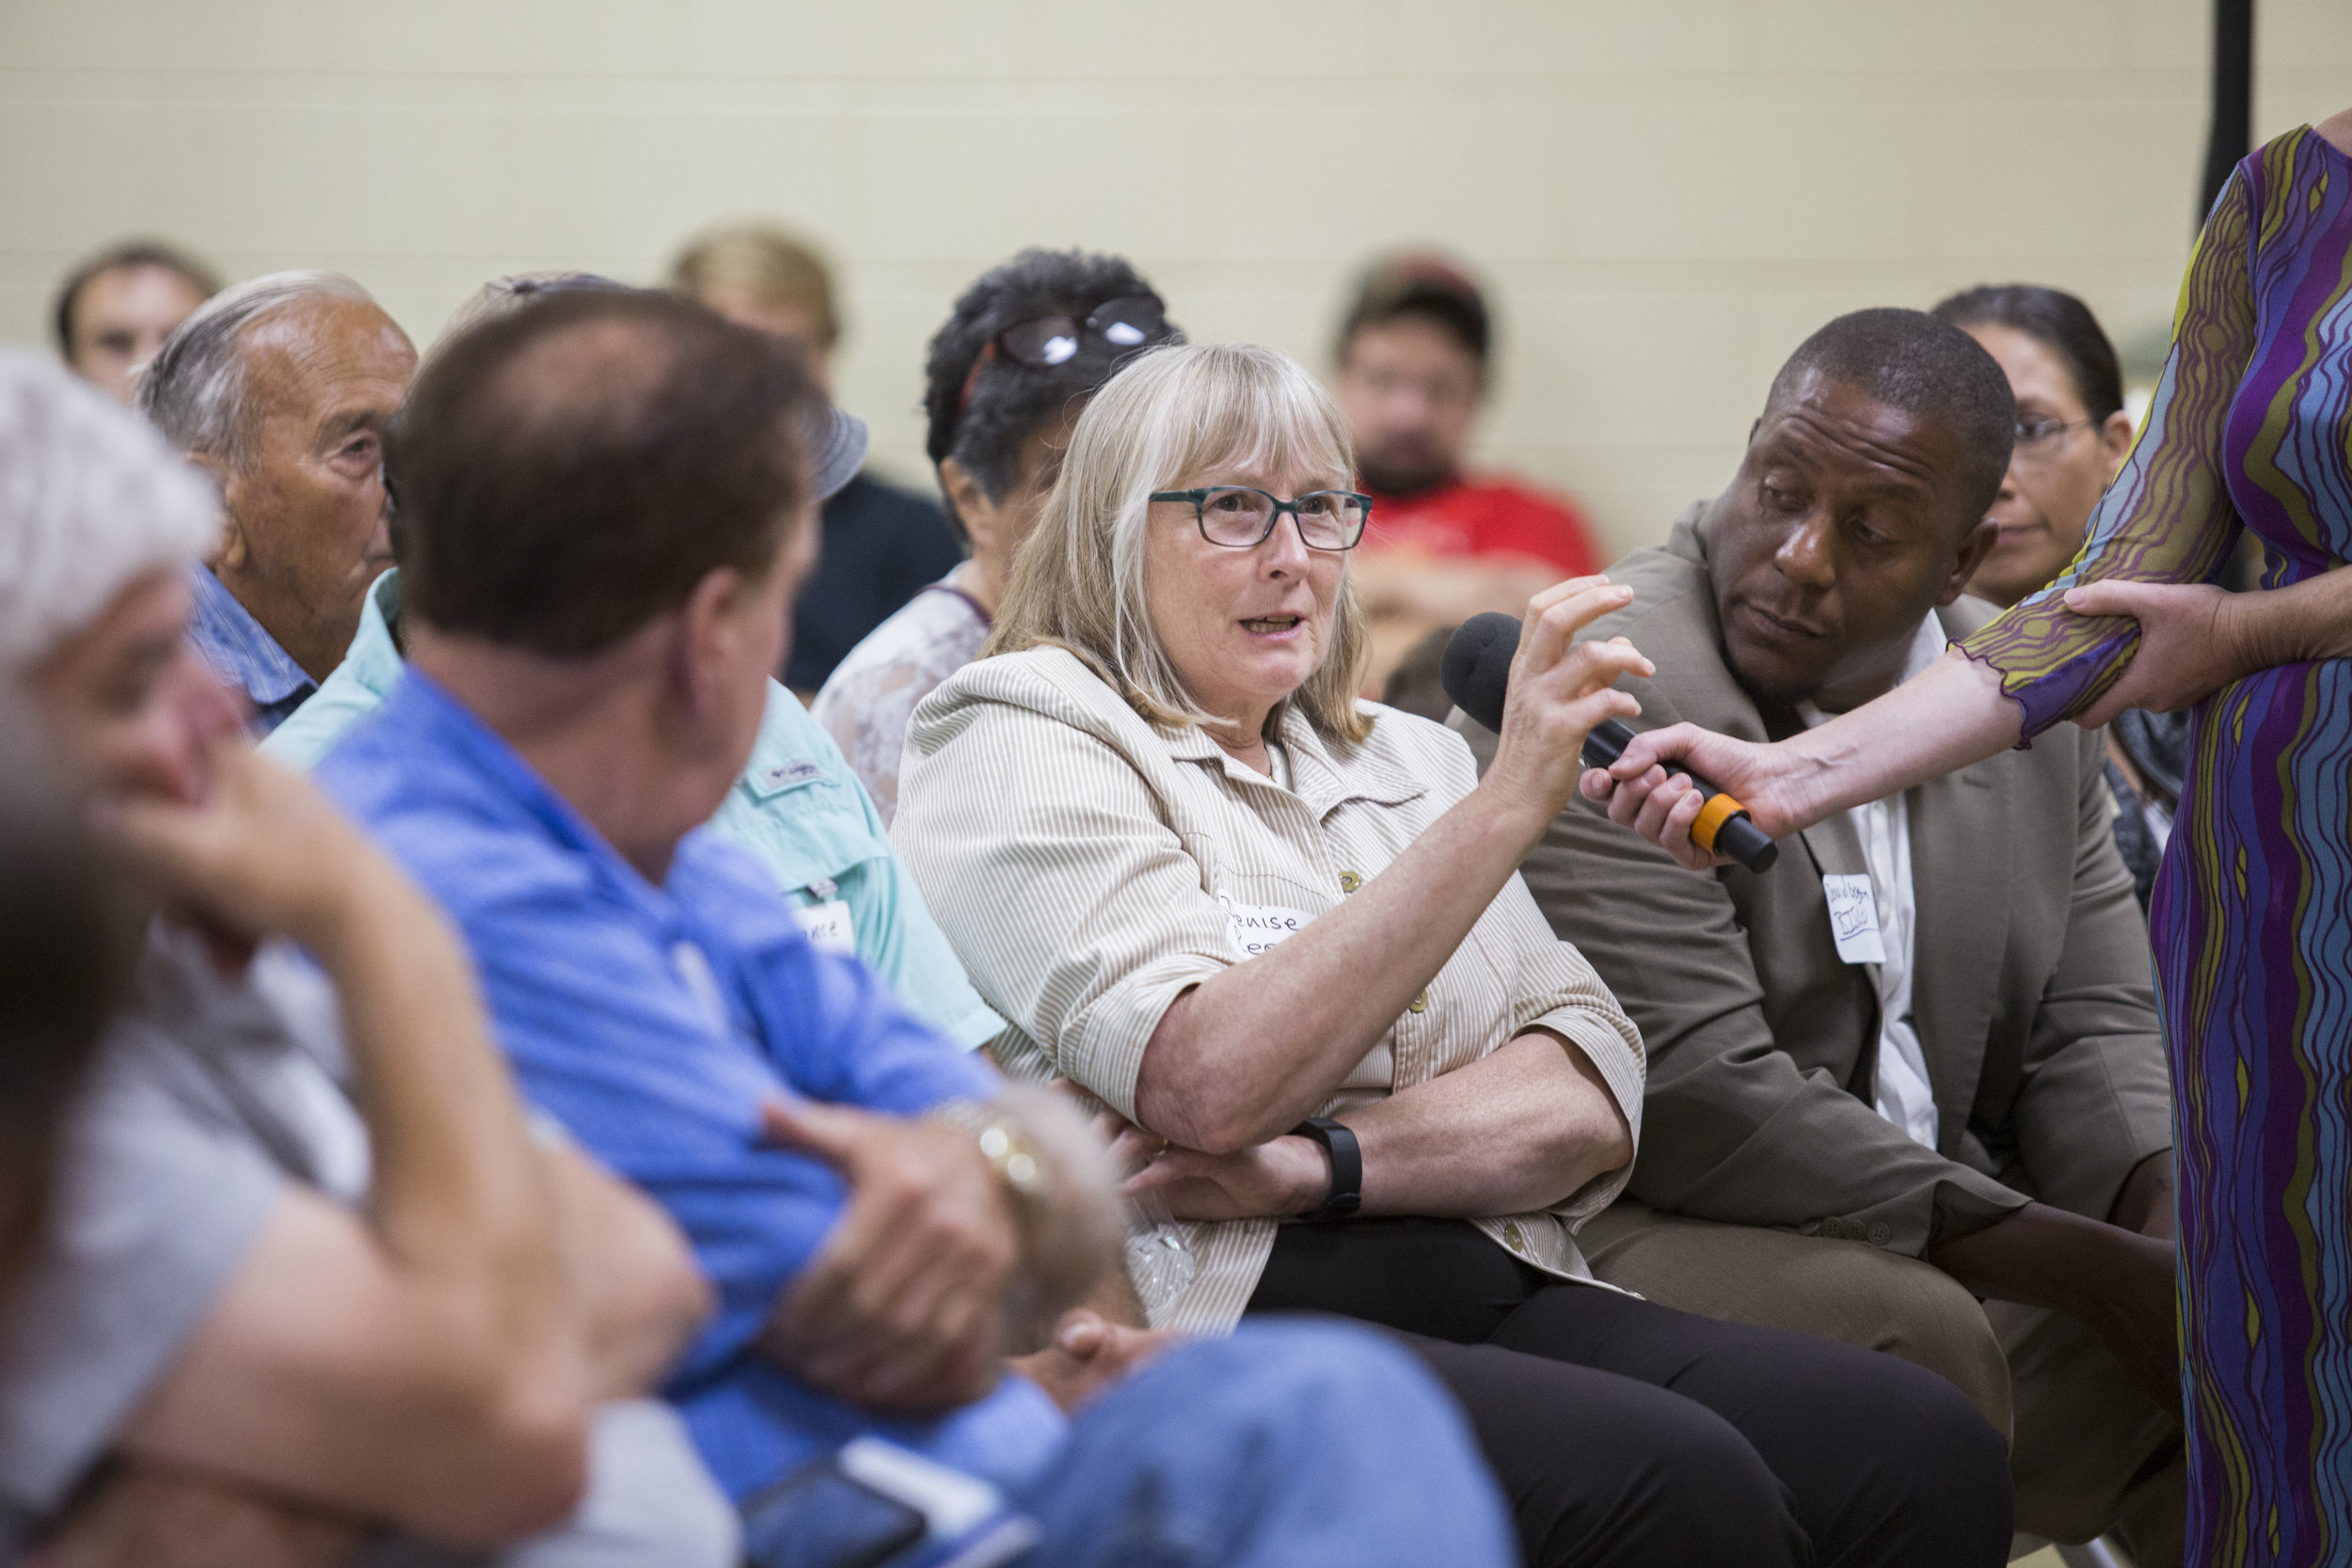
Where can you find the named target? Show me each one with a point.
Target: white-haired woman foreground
(265, 1320)
(1282, 933)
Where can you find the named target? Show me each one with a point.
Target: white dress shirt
(1905, 1094)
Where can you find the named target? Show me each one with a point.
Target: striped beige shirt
(1089, 868)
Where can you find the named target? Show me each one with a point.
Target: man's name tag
(827, 926)
(1260, 927)
(1853, 918)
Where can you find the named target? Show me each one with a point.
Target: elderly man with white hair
(311, 1283)
(280, 389)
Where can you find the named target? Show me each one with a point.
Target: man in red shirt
(1443, 546)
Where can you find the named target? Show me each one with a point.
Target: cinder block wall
(1667, 194)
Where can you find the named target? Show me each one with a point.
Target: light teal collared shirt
(796, 810)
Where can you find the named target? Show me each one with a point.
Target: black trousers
(1626, 1433)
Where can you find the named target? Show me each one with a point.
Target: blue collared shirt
(652, 1022)
(797, 810)
(245, 654)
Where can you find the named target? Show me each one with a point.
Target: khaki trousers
(2088, 1453)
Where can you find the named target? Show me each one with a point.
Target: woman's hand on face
(2193, 641)
(1660, 806)
(1560, 690)
(1280, 1177)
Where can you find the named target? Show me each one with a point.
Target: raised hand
(1559, 689)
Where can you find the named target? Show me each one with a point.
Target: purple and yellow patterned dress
(2251, 428)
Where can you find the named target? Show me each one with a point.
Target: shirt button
(1420, 1004)
(1511, 1233)
(1350, 882)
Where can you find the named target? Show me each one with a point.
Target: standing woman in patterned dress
(2251, 428)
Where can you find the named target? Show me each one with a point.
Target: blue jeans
(1290, 1445)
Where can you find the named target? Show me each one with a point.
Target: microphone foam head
(1476, 672)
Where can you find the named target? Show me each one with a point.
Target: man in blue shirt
(602, 533)
(797, 809)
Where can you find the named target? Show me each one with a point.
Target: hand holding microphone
(1558, 687)
(1478, 671)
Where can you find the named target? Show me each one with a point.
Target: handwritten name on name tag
(1260, 927)
(827, 926)
(1853, 918)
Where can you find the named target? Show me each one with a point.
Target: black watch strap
(1347, 1167)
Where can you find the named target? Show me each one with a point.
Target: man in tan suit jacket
(1807, 1161)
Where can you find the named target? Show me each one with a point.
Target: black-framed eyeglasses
(1241, 518)
(1042, 342)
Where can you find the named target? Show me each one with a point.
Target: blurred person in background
(797, 809)
(2073, 434)
(311, 1274)
(279, 389)
(1004, 381)
(1413, 363)
(880, 544)
(881, 1212)
(63, 958)
(115, 309)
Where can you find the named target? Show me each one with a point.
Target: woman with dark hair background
(2073, 434)
(2072, 430)
(1024, 349)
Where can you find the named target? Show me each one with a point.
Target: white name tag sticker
(827, 926)
(1260, 927)
(1853, 918)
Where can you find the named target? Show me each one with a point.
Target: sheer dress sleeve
(2167, 516)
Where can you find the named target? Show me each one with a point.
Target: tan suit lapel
(1835, 848)
(1960, 865)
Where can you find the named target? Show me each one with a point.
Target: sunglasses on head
(1042, 342)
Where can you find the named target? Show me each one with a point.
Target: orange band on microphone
(1719, 810)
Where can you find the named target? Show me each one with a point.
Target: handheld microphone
(1476, 673)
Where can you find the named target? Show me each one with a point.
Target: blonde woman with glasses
(1279, 935)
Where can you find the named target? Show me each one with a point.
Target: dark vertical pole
(2232, 133)
(2230, 140)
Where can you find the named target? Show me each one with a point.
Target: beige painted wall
(1668, 194)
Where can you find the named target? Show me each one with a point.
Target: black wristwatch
(1347, 1167)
